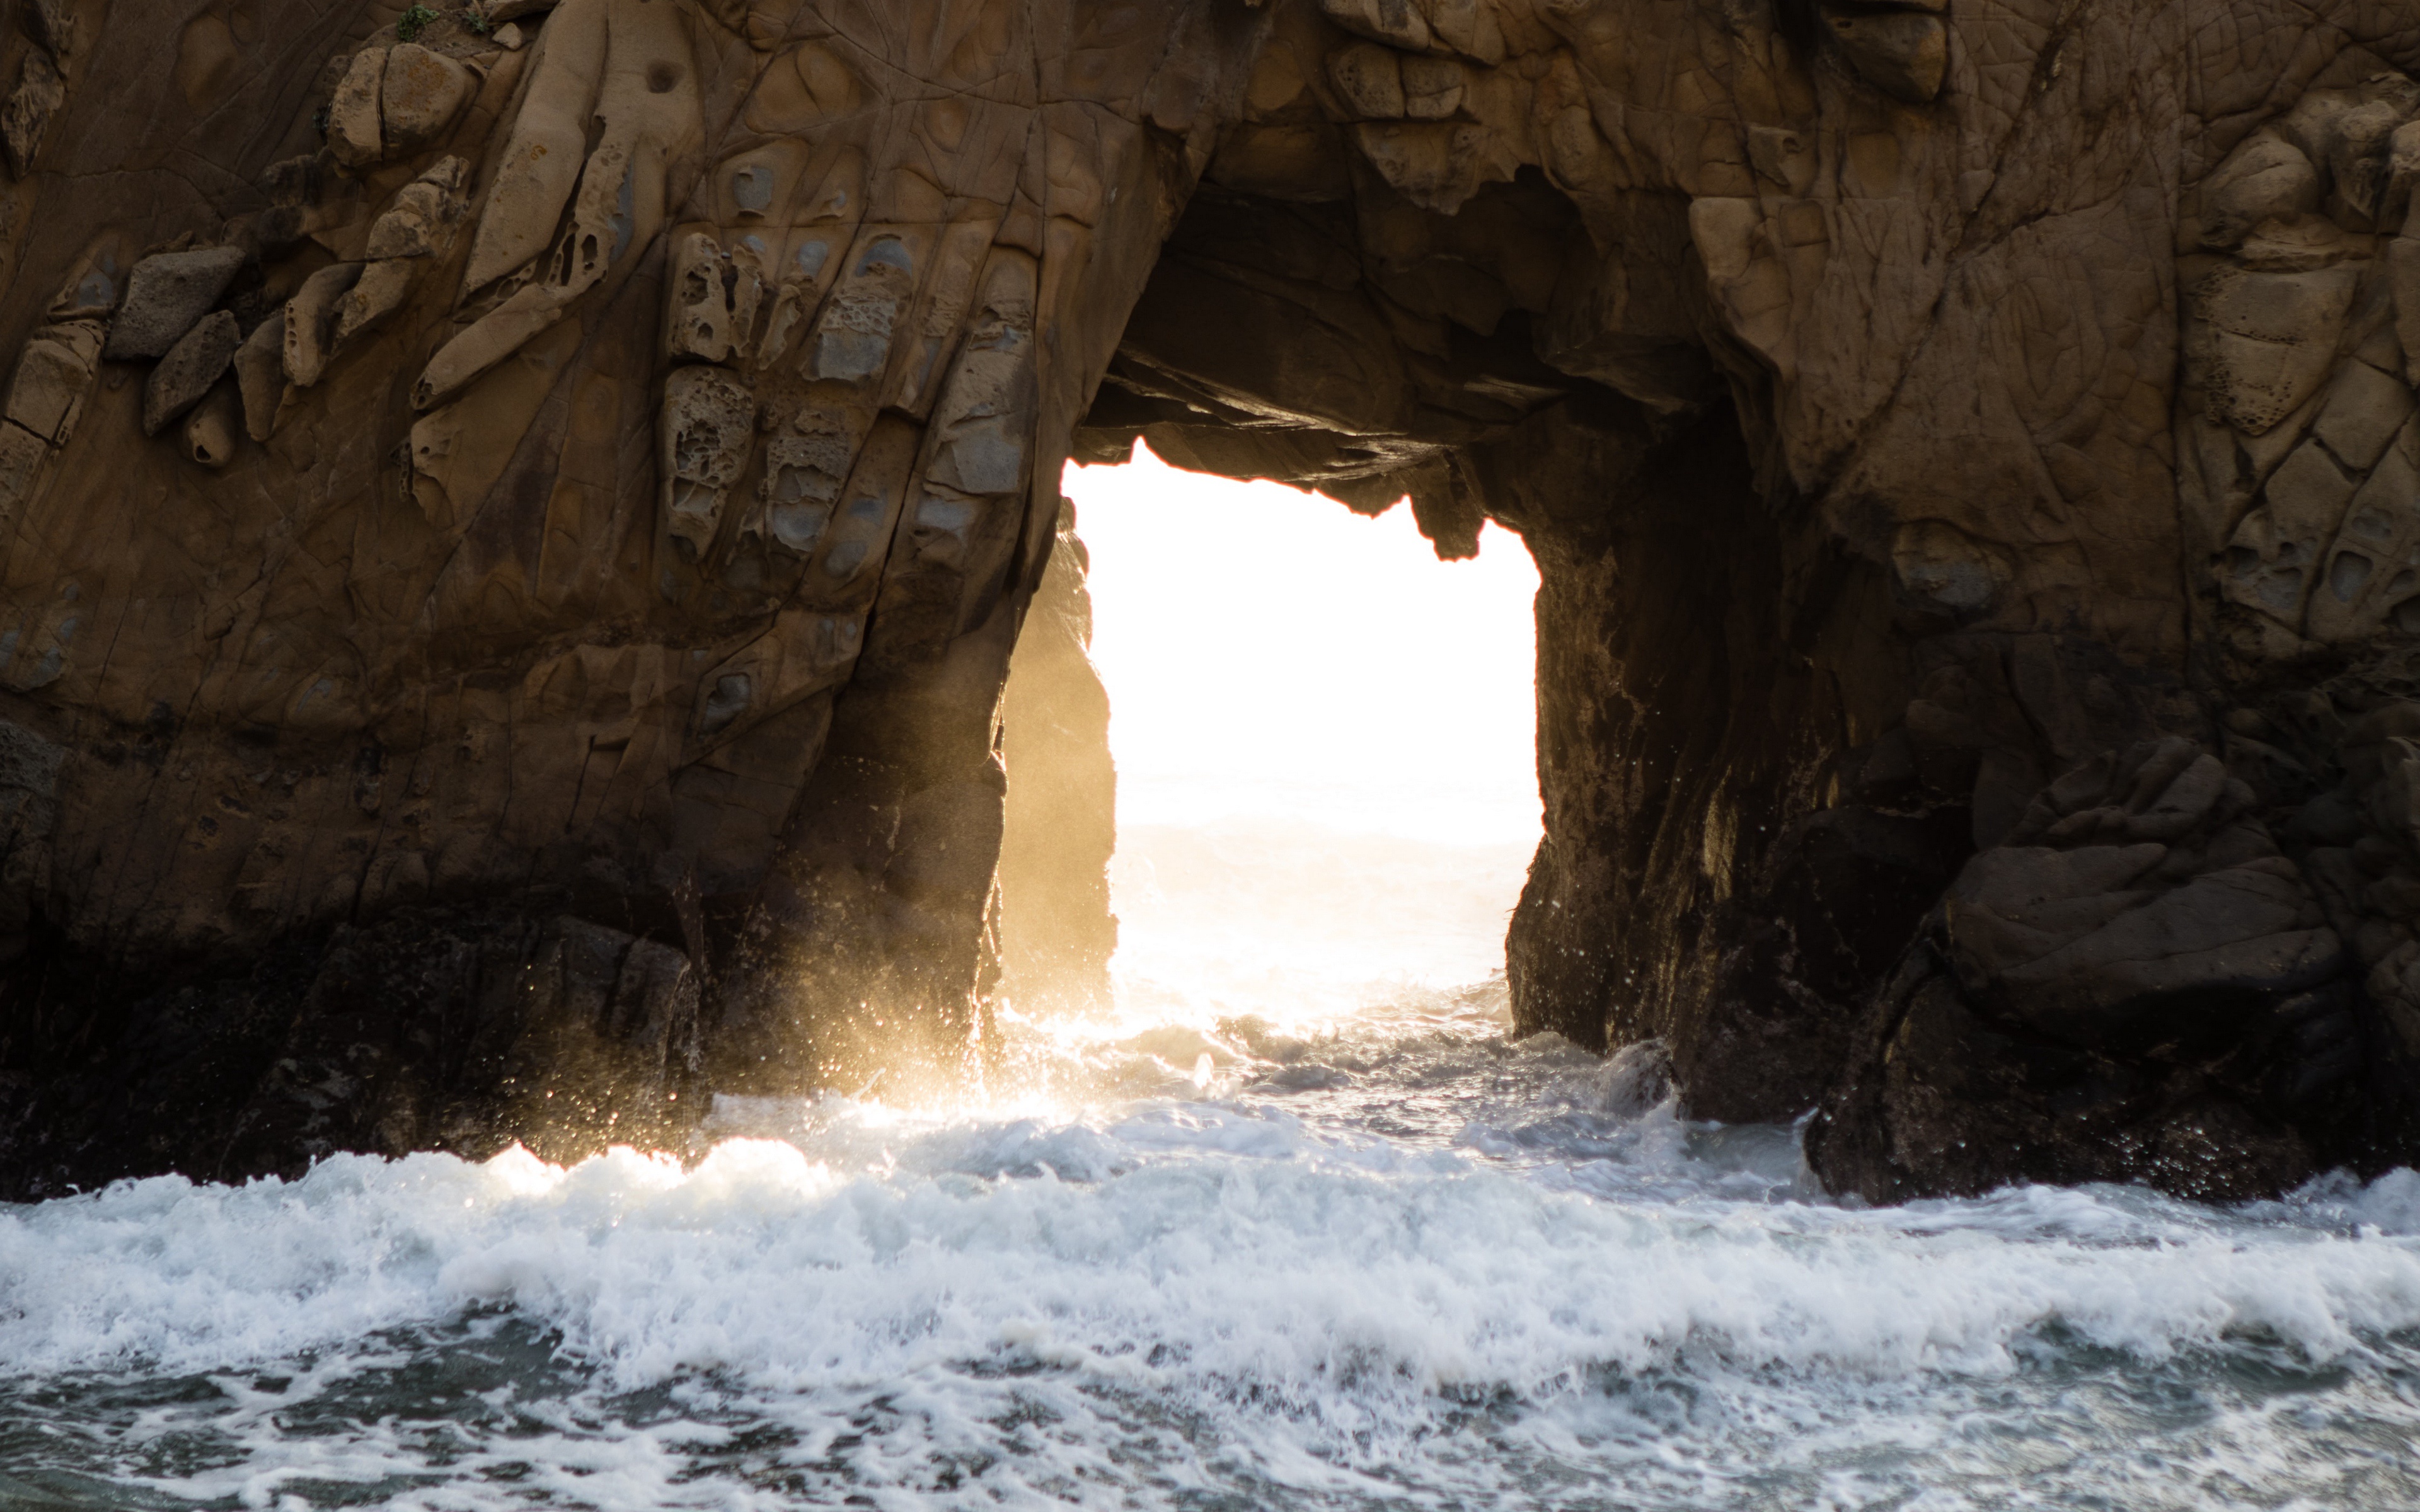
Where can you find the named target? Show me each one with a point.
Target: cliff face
(555, 491)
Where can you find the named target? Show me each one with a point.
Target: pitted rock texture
(606, 453)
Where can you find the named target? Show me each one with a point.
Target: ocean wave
(1222, 1244)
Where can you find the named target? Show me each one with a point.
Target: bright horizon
(1270, 652)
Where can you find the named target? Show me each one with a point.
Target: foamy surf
(1273, 1235)
(1459, 1272)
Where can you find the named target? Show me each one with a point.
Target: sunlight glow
(1327, 798)
(1270, 652)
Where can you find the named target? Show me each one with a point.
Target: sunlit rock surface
(585, 468)
(1055, 929)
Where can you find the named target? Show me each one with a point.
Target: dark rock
(25, 119)
(165, 294)
(431, 1030)
(660, 557)
(185, 375)
(2135, 985)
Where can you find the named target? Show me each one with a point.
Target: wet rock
(434, 1029)
(29, 810)
(2136, 985)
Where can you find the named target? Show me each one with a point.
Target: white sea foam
(1336, 1301)
(1243, 1243)
(1382, 1258)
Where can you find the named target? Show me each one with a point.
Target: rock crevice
(587, 467)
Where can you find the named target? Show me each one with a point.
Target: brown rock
(355, 133)
(1903, 406)
(1397, 22)
(1901, 52)
(708, 418)
(2135, 986)
(53, 24)
(420, 92)
(212, 430)
(379, 292)
(186, 374)
(47, 391)
(1060, 826)
(165, 294)
(260, 376)
(1369, 80)
(2266, 178)
(308, 325)
(25, 119)
(424, 216)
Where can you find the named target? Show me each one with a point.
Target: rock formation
(1059, 827)
(556, 489)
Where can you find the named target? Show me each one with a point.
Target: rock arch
(516, 520)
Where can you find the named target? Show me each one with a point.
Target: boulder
(47, 391)
(165, 294)
(356, 134)
(420, 93)
(189, 370)
(2136, 985)
(211, 429)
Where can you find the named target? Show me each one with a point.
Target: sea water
(1298, 1225)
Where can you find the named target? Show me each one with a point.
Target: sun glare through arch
(1309, 694)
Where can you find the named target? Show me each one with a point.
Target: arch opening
(1325, 781)
(1907, 533)
(1690, 711)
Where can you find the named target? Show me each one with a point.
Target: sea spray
(1377, 1255)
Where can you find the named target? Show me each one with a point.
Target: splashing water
(1297, 1226)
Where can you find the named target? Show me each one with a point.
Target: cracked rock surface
(579, 473)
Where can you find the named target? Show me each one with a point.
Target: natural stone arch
(552, 644)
